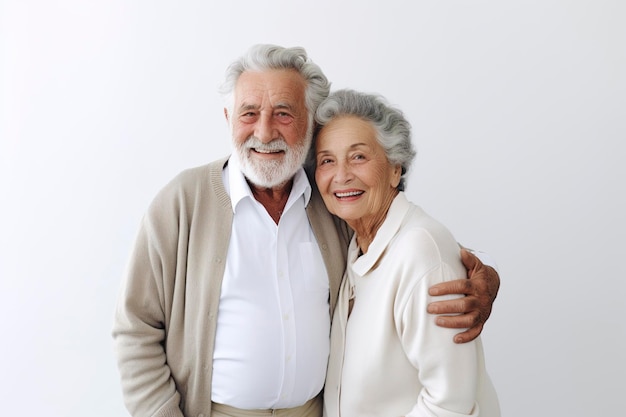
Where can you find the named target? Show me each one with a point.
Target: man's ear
(226, 113)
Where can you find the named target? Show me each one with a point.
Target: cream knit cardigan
(165, 322)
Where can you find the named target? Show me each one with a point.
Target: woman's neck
(366, 228)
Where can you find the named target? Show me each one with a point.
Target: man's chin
(268, 179)
(267, 170)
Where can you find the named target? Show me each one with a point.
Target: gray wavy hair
(392, 128)
(264, 57)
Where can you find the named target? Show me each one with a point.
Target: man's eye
(283, 115)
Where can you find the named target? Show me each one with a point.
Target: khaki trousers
(312, 408)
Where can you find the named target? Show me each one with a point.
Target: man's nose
(265, 129)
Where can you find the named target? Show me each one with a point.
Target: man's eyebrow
(283, 105)
(245, 106)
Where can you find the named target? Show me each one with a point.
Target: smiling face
(354, 177)
(269, 124)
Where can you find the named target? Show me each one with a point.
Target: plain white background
(519, 114)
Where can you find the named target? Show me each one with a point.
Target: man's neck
(274, 199)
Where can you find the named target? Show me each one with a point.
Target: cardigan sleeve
(140, 318)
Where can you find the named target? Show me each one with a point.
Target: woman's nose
(343, 174)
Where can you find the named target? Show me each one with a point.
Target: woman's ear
(395, 175)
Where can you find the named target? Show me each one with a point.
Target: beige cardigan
(164, 328)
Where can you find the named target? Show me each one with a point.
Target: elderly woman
(388, 358)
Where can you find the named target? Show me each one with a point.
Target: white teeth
(267, 151)
(349, 194)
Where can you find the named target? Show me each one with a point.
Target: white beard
(270, 174)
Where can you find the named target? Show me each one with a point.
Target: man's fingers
(465, 321)
(458, 286)
(468, 335)
(469, 260)
(470, 322)
(456, 306)
(469, 312)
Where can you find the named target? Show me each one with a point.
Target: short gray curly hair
(393, 129)
(264, 57)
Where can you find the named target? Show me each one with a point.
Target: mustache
(278, 144)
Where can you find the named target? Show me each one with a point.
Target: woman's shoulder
(420, 228)
(423, 244)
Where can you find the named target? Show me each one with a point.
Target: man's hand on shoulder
(472, 311)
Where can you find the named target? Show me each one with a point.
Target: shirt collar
(238, 188)
(392, 223)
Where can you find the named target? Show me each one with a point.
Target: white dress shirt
(272, 340)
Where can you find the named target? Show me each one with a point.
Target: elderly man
(226, 306)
